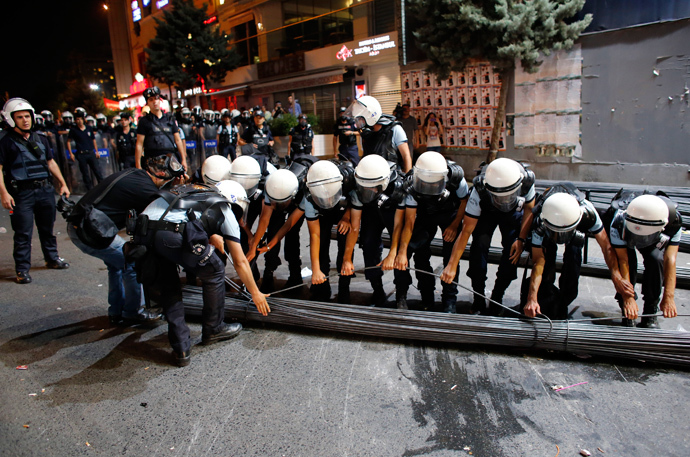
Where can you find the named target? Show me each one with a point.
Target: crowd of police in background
(409, 194)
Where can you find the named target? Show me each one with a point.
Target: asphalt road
(273, 391)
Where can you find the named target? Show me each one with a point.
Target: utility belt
(142, 229)
(32, 184)
(85, 152)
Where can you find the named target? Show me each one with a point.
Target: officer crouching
(190, 226)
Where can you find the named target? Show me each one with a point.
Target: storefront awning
(317, 79)
(229, 89)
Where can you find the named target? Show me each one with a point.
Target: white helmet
(79, 110)
(100, 116)
(17, 104)
(366, 110)
(371, 177)
(216, 168)
(47, 115)
(237, 196)
(645, 217)
(502, 179)
(90, 119)
(235, 113)
(281, 188)
(40, 120)
(325, 183)
(430, 173)
(208, 114)
(560, 214)
(186, 110)
(67, 115)
(117, 118)
(246, 171)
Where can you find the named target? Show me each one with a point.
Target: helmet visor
(505, 203)
(249, 182)
(281, 206)
(429, 182)
(239, 209)
(641, 241)
(326, 194)
(560, 237)
(368, 194)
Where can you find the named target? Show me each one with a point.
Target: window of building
(247, 48)
(333, 26)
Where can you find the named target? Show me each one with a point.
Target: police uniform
(126, 146)
(86, 156)
(165, 230)
(259, 137)
(479, 206)
(554, 301)
(385, 141)
(302, 138)
(347, 144)
(227, 141)
(652, 255)
(159, 135)
(29, 182)
(433, 213)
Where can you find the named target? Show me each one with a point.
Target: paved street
(94, 390)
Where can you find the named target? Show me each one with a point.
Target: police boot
(294, 279)
(449, 305)
(401, 299)
(344, 289)
(267, 282)
(479, 303)
(379, 296)
(321, 292)
(496, 297)
(651, 321)
(428, 299)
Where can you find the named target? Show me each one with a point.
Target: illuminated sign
(210, 20)
(145, 3)
(161, 3)
(194, 91)
(371, 46)
(136, 11)
(139, 86)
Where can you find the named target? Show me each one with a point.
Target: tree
(456, 32)
(186, 51)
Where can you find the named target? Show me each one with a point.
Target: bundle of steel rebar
(664, 346)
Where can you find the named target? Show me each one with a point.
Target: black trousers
(509, 225)
(653, 279)
(88, 161)
(425, 228)
(228, 150)
(39, 205)
(374, 221)
(167, 289)
(291, 250)
(326, 223)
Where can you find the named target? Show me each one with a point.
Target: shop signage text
(283, 66)
(371, 46)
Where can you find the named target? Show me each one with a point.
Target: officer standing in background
(257, 138)
(157, 132)
(87, 150)
(502, 197)
(26, 190)
(381, 134)
(227, 137)
(301, 139)
(125, 141)
(562, 215)
(345, 135)
(409, 124)
(651, 225)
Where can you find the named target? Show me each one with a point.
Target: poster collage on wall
(465, 104)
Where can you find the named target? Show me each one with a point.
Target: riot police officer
(562, 216)
(86, 149)
(650, 225)
(301, 138)
(125, 141)
(157, 132)
(502, 197)
(258, 135)
(26, 190)
(196, 240)
(378, 202)
(227, 136)
(381, 133)
(345, 135)
(436, 199)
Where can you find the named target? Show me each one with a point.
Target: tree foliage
(455, 32)
(187, 52)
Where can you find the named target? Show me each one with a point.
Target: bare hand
(251, 253)
(348, 269)
(668, 307)
(450, 233)
(448, 274)
(263, 249)
(64, 190)
(630, 308)
(516, 251)
(344, 226)
(7, 201)
(532, 308)
(401, 262)
(623, 287)
(217, 242)
(261, 304)
(317, 277)
(388, 263)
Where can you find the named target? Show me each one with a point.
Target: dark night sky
(41, 36)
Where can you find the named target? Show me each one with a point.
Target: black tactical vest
(30, 163)
(160, 140)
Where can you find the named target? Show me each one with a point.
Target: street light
(94, 86)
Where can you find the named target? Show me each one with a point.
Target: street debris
(26, 425)
(453, 388)
(23, 367)
(585, 452)
(3, 230)
(32, 395)
(601, 450)
(559, 388)
(144, 405)
(306, 272)
(88, 444)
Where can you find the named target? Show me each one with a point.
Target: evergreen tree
(456, 32)
(186, 52)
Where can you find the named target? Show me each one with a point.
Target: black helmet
(164, 166)
(151, 92)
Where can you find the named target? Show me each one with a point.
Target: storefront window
(305, 34)
(248, 49)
